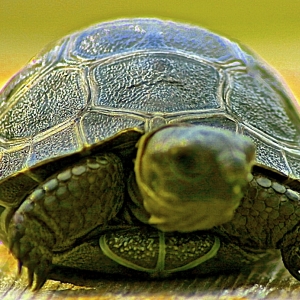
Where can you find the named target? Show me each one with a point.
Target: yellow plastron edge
(160, 266)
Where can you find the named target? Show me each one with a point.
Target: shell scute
(113, 81)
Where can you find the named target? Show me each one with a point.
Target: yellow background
(270, 27)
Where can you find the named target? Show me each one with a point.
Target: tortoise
(148, 148)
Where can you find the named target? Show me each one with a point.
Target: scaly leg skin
(65, 207)
(268, 218)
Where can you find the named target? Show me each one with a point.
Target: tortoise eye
(188, 161)
(185, 161)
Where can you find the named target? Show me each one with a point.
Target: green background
(270, 28)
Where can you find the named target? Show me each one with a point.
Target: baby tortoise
(149, 148)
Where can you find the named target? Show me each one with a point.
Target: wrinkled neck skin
(268, 216)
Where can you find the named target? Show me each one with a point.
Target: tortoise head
(192, 177)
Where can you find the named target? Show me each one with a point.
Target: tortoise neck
(136, 200)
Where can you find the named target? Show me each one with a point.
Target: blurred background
(269, 27)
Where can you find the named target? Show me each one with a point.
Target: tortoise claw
(30, 277)
(20, 265)
(30, 250)
(40, 276)
(37, 271)
(40, 280)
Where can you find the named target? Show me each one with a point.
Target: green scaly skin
(268, 218)
(63, 209)
(254, 227)
(266, 214)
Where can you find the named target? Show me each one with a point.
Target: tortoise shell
(107, 85)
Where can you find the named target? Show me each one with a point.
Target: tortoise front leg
(64, 208)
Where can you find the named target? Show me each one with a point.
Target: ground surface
(267, 280)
